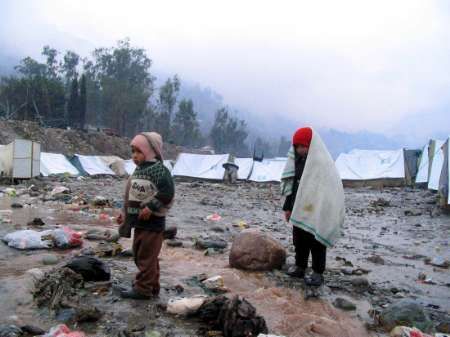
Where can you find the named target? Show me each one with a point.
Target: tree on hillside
(121, 73)
(69, 65)
(167, 101)
(283, 147)
(52, 68)
(73, 104)
(185, 129)
(228, 134)
(82, 103)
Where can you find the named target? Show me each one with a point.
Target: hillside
(70, 142)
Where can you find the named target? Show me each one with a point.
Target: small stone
(174, 243)
(170, 233)
(422, 277)
(126, 253)
(89, 251)
(211, 243)
(218, 229)
(37, 222)
(376, 259)
(360, 282)
(100, 201)
(50, 260)
(32, 330)
(344, 304)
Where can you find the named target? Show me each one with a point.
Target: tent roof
(245, 167)
(268, 170)
(422, 173)
(55, 163)
(202, 166)
(436, 164)
(371, 164)
(93, 165)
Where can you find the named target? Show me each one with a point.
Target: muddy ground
(390, 236)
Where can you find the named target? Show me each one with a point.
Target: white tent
(268, 170)
(168, 164)
(203, 166)
(444, 183)
(436, 164)
(422, 173)
(245, 167)
(371, 164)
(91, 165)
(130, 166)
(54, 163)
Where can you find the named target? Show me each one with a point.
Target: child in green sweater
(148, 197)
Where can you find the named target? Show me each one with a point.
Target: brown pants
(146, 248)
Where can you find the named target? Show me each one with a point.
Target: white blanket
(319, 205)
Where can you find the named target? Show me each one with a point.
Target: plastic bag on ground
(185, 306)
(67, 238)
(27, 239)
(63, 331)
(30, 239)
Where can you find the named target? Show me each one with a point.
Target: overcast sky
(349, 64)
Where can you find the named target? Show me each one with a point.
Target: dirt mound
(69, 142)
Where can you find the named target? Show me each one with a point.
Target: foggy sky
(349, 65)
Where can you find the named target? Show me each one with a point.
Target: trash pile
(62, 290)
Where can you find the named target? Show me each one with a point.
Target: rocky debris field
(223, 264)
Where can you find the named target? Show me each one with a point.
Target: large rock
(407, 313)
(254, 250)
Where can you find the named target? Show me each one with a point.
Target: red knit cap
(303, 137)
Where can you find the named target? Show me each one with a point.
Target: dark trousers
(146, 248)
(304, 243)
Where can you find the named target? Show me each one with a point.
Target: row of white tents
(428, 167)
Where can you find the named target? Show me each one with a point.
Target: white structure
(245, 167)
(422, 173)
(371, 165)
(129, 166)
(203, 166)
(444, 183)
(20, 159)
(54, 163)
(436, 164)
(91, 165)
(269, 170)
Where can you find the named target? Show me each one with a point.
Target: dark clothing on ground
(146, 248)
(304, 242)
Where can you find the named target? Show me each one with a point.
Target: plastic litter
(403, 331)
(104, 217)
(214, 217)
(30, 239)
(214, 283)
(63, 331)
(59, 190)
(185, 306)
(11, 192)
